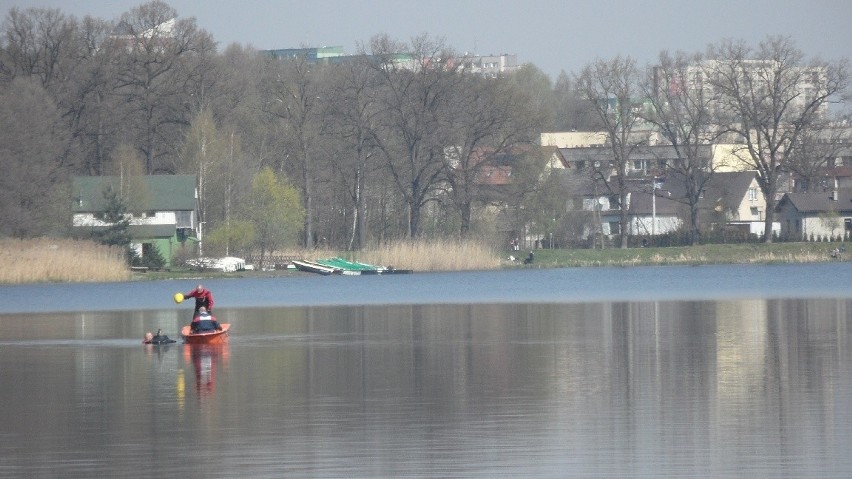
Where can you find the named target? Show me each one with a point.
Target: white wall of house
(645, 225)
(608, 216)
(730, 157)
(752, 207)
(757, 227)
(573, 139)
(158, 218)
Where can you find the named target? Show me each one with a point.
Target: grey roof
(573, 155)
(641, 204)
(162, 193)
(818, 202)
(728, 188)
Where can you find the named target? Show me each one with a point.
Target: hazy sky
(554, 35)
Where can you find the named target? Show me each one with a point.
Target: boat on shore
(314, 267)
(342, 266)
(206, 337)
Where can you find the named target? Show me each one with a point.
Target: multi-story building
(757, 75)
(311, 54)
(490, 66)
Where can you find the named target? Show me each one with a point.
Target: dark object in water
(158, 339)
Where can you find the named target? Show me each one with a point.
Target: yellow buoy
(178, 297)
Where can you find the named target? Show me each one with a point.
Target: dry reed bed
(60, 260)
(433, 256)
(440, 255)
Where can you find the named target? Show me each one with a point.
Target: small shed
(816, 215)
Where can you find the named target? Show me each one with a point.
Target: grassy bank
(694, 255)
(59, 260)
(48, 260)
(461, 256)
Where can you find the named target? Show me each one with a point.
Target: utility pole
(654, 187)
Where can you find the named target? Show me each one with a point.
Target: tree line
(392, 143)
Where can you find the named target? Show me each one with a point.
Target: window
(752, 194)
(183, 219)
(613, 203)
(814, 77)
(614, 227)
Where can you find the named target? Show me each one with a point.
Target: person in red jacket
(203, 297)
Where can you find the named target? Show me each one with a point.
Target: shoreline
(714, 254)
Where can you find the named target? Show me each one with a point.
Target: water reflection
(761, 388)
(205, 360)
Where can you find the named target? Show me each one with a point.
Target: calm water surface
(526, 378)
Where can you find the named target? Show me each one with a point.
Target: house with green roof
(163, 210)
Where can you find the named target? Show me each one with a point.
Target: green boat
(355, 268)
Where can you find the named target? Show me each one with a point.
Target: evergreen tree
(117, 229)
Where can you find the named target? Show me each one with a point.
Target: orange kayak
(206, 337)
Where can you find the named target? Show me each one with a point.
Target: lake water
(725, 371)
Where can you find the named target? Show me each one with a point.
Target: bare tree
(612, 88)
(681, 110)
(87, 98)
(813, 162)
(152, 47)
(235, 105)
(571, 112)
(351, 117)
(769, 98)
(486, 120)
(61, 52)
(293, 96)
(205, 154)
(39, 42)
(417, 82)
